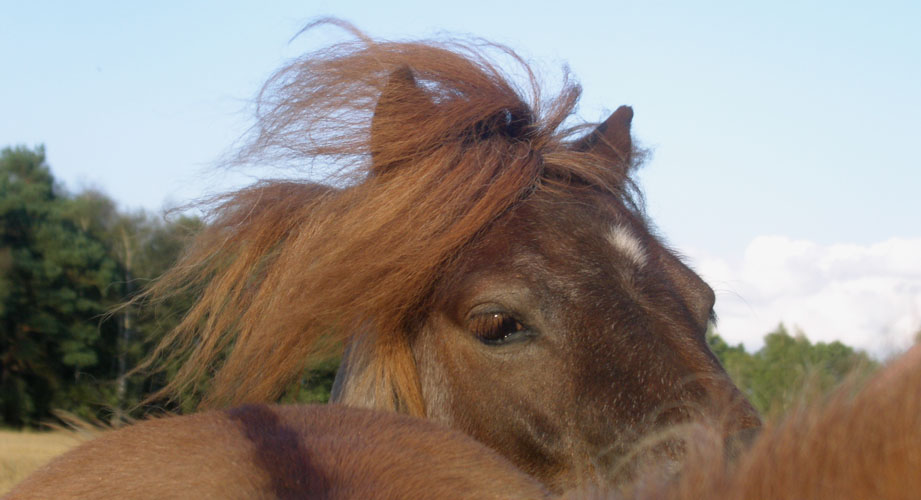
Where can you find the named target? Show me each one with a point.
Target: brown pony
(484, 265)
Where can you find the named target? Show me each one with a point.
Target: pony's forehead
(551, 227)
(586, 207)
(548, 251)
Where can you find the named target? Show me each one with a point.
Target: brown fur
(291, 452)
(859, 446)
(460, 199)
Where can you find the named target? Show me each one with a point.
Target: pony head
(483, 264)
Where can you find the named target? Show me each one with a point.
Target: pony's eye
(495, 328)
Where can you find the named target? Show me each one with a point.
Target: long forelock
(289, 271)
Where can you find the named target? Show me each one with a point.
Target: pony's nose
(740, 441)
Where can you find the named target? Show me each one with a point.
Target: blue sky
(797, 120)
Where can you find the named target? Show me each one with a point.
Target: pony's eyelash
(494, 327)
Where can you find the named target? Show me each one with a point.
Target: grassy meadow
(21, 452)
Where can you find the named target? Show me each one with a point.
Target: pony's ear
(611, 139)
(402, 105)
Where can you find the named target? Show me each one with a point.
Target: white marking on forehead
(623, 239)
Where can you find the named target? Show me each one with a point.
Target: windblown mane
(289, 271)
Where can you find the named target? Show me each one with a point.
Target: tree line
(67, 262)
(69, 336)
(789, 369)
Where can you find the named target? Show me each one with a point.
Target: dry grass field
(23, 452)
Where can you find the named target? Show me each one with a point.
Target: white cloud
(868, 296)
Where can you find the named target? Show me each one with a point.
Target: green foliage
(788, 368)
(315, 385)
(70, 334)
(53, 290)
(66, 261)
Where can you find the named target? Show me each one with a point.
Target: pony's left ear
(611, 140)
(401, 107)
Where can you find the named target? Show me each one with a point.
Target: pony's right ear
(611, 140)
(401, 107)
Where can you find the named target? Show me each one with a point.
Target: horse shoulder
(260, 451)
(204, 455)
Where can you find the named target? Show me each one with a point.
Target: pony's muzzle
(740, 441)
